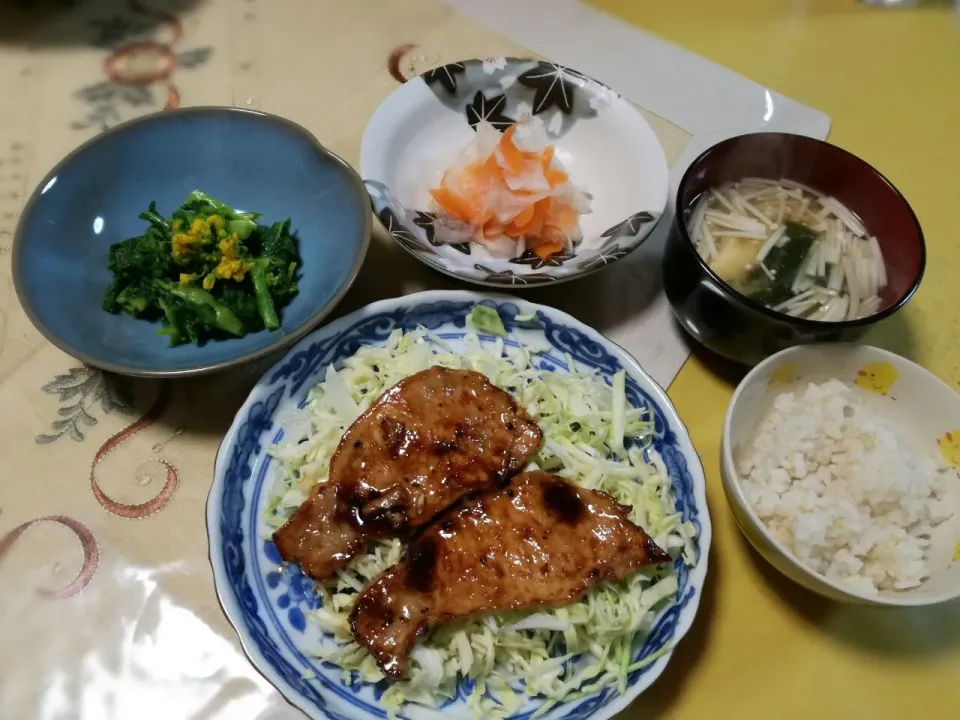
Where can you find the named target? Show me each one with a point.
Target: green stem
(156, 219)
(171, 326)
(261, 288)
(208, 307)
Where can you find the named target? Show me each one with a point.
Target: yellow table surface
(761, 646)
(102, 506)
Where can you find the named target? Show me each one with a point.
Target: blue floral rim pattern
(255, 593)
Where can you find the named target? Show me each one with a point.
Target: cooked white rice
(843, 490)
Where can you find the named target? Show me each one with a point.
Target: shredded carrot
(452, 203)
(540, 210)
(523, 217)
(532, 227)
(492, 229)
(545, 250)
(564, 217)
(511, 155)
(553, 177)
(552, 234)
(509, 181)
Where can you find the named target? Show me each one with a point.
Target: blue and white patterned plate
(606, 145)
(268, 607)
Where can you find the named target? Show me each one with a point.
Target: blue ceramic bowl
(250, 160)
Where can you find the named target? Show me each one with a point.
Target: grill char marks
(425, 443)
(540, 541)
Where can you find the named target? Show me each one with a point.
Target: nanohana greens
(592, 436)
(207, 272)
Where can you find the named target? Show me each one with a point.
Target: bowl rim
(732, 481)
(453, 269)
(282, 340)
(804, 323)
(698, 572)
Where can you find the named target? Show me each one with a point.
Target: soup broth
(790, 248)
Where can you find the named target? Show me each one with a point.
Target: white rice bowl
(833, 481)
(844, 490)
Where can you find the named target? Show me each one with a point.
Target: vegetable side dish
(208, 272)
(509, 193)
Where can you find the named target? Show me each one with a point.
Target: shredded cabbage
(510, 656)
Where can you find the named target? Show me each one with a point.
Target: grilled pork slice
(539, 541)
(425, 443)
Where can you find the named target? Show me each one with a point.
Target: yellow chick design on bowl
(784, 374)
(949, 445)
(877, 377)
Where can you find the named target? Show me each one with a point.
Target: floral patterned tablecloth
(107, 605)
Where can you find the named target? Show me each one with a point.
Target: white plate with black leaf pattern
(605, 144)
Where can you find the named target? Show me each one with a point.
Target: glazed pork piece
(540, 541)
(425, 443)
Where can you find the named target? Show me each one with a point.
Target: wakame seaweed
(783, 263)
